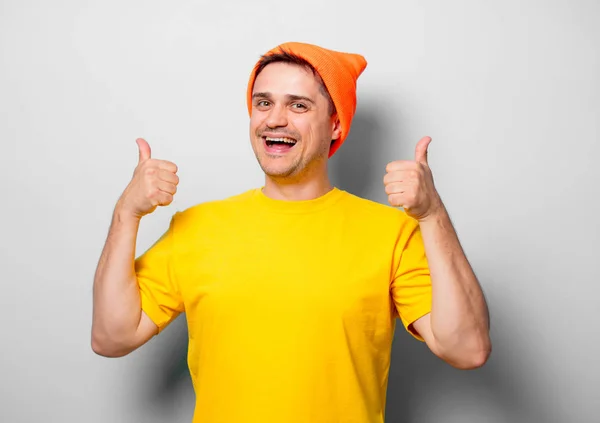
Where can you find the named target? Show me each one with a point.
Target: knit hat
(339, 72)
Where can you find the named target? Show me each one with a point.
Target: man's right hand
(154, 183)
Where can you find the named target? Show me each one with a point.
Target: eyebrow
(289, 97)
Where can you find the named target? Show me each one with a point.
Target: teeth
(286, 140)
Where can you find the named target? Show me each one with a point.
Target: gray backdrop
(508, 90)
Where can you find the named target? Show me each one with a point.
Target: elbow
(476, 357)
(467, 357)
(475, 360)
(105, 347)
(104, 350)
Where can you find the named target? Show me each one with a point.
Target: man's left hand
(409, 184)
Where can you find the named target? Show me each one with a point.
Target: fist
(409, 184)
(154, 183)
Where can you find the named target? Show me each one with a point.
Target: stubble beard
(296, 169)
(276, 170)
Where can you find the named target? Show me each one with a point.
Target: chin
(277, 170)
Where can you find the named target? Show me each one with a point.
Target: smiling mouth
(279, 144)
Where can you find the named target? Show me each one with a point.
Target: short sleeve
(159, 293)
(411, 284)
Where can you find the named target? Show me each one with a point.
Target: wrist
(123, 215)
(438, 214)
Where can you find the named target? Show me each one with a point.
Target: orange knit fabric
(339, 72)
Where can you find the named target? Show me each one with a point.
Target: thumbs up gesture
(409, 184)
(153, 184)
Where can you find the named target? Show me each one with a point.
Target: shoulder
(378, 218)
(213, 209)
(374, 209)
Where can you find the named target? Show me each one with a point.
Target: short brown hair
(287, 57)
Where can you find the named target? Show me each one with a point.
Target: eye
(262, 104)
(299, 106)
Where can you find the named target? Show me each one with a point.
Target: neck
(296, 190)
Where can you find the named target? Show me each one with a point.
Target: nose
(277, 117)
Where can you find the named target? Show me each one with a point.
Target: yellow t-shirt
(291, 305)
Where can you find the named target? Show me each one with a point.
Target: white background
(508, 90)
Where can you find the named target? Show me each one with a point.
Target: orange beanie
(339, 72)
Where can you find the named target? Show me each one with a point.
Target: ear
(336, 127)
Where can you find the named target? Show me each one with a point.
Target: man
(291, 291)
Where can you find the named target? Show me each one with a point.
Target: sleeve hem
(154, 312)
(407, 321)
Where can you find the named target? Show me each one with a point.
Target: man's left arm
(457, 329)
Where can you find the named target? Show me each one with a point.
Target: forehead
(286, 78)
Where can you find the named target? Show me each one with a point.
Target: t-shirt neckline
(298, 206)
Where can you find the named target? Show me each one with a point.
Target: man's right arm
(119, 325)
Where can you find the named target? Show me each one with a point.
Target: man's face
(290, 126)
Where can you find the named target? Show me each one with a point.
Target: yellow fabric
(291, 306)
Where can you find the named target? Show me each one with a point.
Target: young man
(291, 291)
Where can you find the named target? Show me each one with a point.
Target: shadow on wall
(165, 392)
(354, 166)
(172, 349)
(422, 388)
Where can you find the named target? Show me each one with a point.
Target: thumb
(144, 149)
(421, 150)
